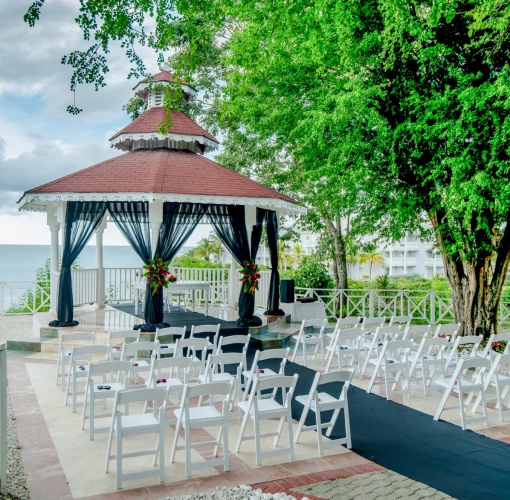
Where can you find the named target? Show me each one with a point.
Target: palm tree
(204, 249)
(372, 256)
(284, 258)
(217, 245)
(352, 255)
(297, 254)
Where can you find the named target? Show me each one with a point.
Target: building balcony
(400, 262)
(404, 246)
(434, 262)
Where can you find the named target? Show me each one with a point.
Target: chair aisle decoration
(319, 402)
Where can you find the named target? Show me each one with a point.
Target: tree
(205, 248)
(391, 114)
(284, 258)
(297, 254)
(372, 256)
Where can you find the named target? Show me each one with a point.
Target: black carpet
(463, 464)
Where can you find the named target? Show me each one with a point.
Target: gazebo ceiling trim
(38, 202)
(131, 141)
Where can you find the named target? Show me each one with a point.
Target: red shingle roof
(150, 120)
(160, 171)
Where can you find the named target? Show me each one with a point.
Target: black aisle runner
(463, 464)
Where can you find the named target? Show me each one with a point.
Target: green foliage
(312, 273)
(135, 107)
(189, 260)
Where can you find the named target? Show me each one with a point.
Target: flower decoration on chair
(250, 276)
(157, 274)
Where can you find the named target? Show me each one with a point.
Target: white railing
(119, 283)
(3, 417)
(217, 277)
(84, 286)
(24, 297)
(429, 306)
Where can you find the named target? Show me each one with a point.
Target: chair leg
(332, 423)
(319, 429)
(462, 408)
(301, 423)
(176, 438)
(161, 445)
(241, 431)
(279, 432)
(109, 448)
(295, 351)
(347, 419)
(289, 429)
(304, 353)
(92, 415)
(187, 449)
(258, 458)
(84, 411)
(119, 454)
(226, 467)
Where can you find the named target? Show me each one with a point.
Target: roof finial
(164, 67)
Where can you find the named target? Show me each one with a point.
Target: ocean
(21, 262)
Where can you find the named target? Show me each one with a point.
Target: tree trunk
(334, 229)
(476, 285)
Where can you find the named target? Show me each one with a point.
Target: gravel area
(16, 327)
(16, 479)
(384, 485)
(239, 493)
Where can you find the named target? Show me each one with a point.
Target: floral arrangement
(499, 347)
(157, 274)
(250, 276)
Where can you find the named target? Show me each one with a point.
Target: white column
(99, 263)
(53, 224)
(250, 214)
(233, 277)
(391, 263)
(156, 219)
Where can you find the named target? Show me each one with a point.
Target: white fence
(24, 297)
(429, 306)
(423, 305)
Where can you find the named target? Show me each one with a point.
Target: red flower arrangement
(499, 347)
(157, 274)
(251, 276)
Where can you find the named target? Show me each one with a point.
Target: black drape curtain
(273, 300)
(81, 221)
(132, 219)
(179, 221)
(230, 226)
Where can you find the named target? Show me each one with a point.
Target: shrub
(312, 273)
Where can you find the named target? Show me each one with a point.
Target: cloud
(45, 162)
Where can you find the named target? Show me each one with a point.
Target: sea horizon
(20, 263)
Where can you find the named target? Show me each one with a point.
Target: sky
(39, 140)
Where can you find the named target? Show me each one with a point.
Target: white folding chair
(345, 345)
(200, 417)
(194, 348)
(393, 359)
(264, 372)
(176, 332)
(402, 321)
(215, 371)
(424, 362)
(132, 352)
(79, 366)
(211, 332)
(319, 402)
(64, 351)
(342, 323)
(172, 373)
(234, 340)
(454, 355)
(449, 331)
(102, 391)
(369, 328)
(135, 425)
(267, 409)
(460, 385)
(117, 339)
(496, 377)
(305, 340)
(416, 333)
(371, 344)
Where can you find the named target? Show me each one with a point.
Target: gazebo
(156, 193)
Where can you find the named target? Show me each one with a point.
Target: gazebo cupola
(143, 133)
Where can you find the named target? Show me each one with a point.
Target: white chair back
(450, 330)
(400, 320)
(243, 340)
